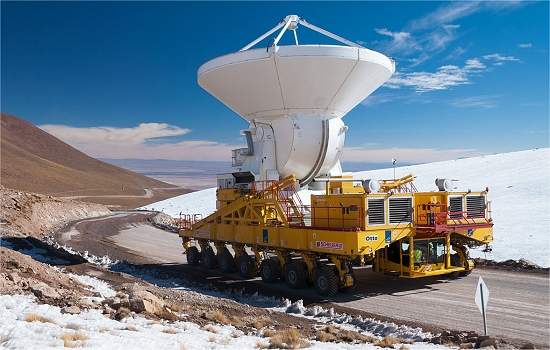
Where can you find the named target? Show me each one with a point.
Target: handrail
(438, 216)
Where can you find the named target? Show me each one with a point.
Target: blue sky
(118, 80)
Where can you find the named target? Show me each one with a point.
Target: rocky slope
(35, 161)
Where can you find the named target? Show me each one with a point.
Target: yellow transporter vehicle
(294, 98)
(397, 230)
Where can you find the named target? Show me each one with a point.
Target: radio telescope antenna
(294, 98)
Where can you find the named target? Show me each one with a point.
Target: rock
(488, 342)
(467, 345)
(122, 313)
(113, 302)
(528, 346)
(11, 265)
(108, 310)
(42, 290)
(144, 301)
(87, 303)
(71, 310)
(14, 277)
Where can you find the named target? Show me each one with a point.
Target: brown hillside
(35, 161)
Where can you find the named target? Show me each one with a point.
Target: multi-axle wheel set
(327, 274)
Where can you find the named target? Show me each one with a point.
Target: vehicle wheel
(465, 273)
(226, 260)
(455, 260)
(454, 275)
(353, 287)
(326, 281)
(296, 275)
(246, 266)
(270, 270)
(193, 256)
(209, 258)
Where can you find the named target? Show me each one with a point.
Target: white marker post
(482, 298)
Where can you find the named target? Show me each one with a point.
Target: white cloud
(443, 78)
(429, 35)
(406, 155)
(143, 142)
(446, 14)
(401, 42)
(525, 45)
(106, 134)
(404, 43)
(447, 76)
(454, 11)
(499, 59)
(474, 63)
(485, 102)
(441, 37)
(456, 53)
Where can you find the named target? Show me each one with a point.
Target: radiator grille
(376, 212)
(455, 206)
(475, 206)
(400, 210)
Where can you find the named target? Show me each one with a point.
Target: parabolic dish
(325, 80)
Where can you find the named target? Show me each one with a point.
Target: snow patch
(367, 326)
(95, 284)
(103, 261)
(101, 332)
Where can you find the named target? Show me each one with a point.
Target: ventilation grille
(475, 206)
(455, 206)
(400, 210)
(376, 212)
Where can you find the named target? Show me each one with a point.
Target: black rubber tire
(209, 258)
(296, 274)
(455, 260)
(226, 262)
(326, 281)
(246, 266)
(193, 256)
(454, 275)
(270, 270)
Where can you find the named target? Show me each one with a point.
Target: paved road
(148, 193)
(518, 306)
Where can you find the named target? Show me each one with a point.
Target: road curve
(518, 305)
(148, 193)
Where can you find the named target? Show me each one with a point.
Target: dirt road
(518, 306)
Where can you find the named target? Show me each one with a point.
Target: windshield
(429, 251)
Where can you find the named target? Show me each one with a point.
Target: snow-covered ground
(519, 189)
(24, 324)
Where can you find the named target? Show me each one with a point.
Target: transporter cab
(386, 224)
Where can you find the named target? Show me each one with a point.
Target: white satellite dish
(296, 95)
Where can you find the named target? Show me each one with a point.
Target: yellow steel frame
(259, 221)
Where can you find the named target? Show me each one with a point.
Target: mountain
(519, 191)
(33, 160)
